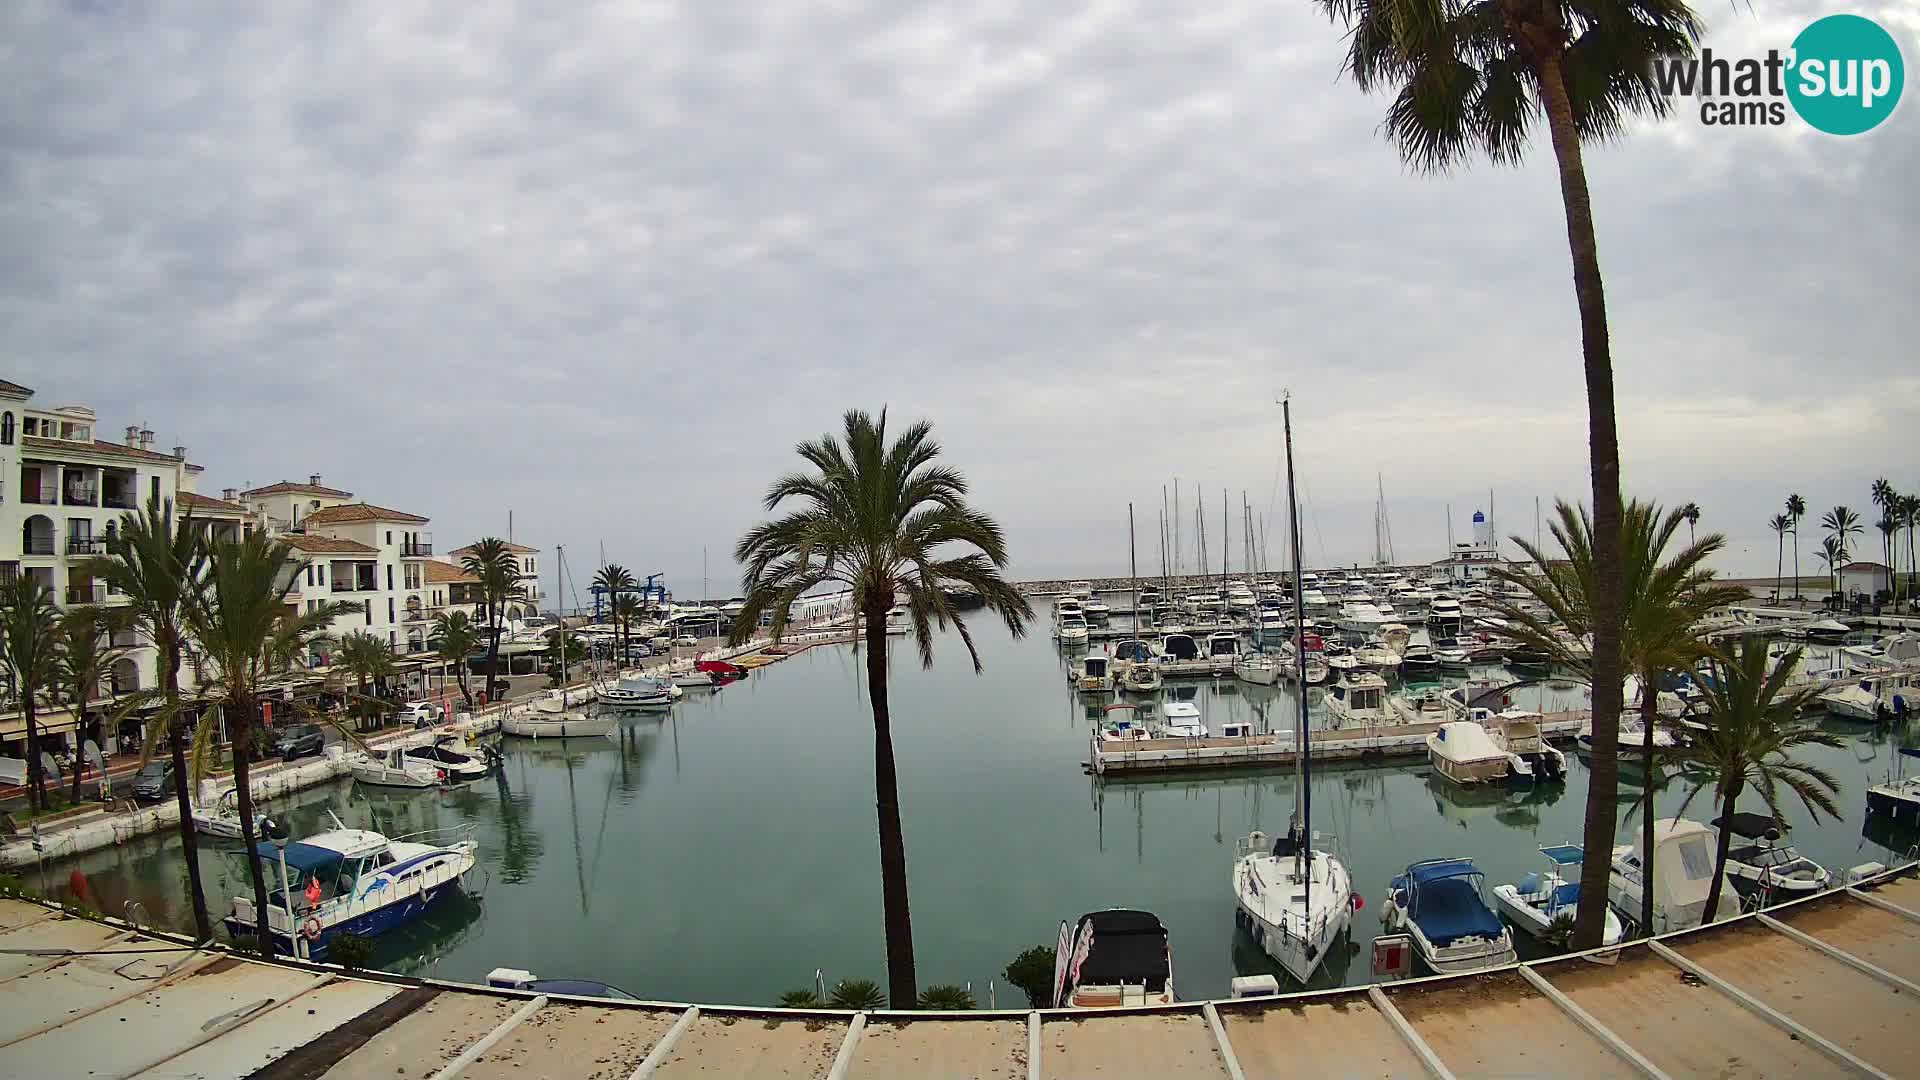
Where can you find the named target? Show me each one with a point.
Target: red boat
(720, 669)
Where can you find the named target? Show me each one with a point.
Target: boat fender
(310, 929)
(1358, 902)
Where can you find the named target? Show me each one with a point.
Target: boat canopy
(1444, 900)
(1752, 826)
(1564, 854)
(1132, 649)
(303, 858)
(1441, 870)
(1123, 946)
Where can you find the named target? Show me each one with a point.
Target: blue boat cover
(1564, 854)
(1448, 909)
(1438, 869)
(305, 858)
(1567, 895)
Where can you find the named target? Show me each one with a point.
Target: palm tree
(1841, 524)
(1748, 742)
(1889, 528)
(1796, 509)
(882, 520)
(497, 571)
(248, 630)
(1664, 604)
(627, 610)
(1691, 512)
(1888, 500)
(156, 561)
(1910, 520)
(1472, 78)
(455, 637)
(81, 638)
(614, 581)
(28, 649)
(369, 661)
(1833, 556)
(1779, 523)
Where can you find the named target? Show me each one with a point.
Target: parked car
(686, 641)
(153, 782)
(418, 713)
(299, 740)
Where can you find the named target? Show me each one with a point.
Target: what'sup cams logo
(1843, 76)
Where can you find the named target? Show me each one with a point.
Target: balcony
(86, 545)
(37, 545)
(78, 495)
(38, 497)
(353, 586)
(86, 594)
(420, 547)
(120, 500)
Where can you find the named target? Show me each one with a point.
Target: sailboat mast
(560, 562)
(1133, 562)
(1226, 546)
(1176, 527)
(1303, 758)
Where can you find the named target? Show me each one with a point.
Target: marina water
(724, 852)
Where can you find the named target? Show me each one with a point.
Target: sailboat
(1293, 898)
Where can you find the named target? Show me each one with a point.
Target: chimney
(230, 494)
(146, 438)
(180, 453)
(313, 479)
(133, 434)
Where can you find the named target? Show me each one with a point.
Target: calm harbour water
(724, 852)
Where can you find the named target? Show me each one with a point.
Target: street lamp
(277, 833)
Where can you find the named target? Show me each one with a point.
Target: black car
(154, 781)
(299, 740)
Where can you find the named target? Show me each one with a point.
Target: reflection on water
(723, 851)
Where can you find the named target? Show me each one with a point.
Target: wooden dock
(1826, 986)
(1134, 756)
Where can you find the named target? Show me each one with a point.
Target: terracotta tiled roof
(14, 388)
(201, 502)
(440, 573)
(327, 545)
(352, 512)
(287, 487)
(1863, 567)
(111, 449)
(518, 549)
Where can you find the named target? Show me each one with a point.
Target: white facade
(1472, 561)
(370, 556)
(1866, 578)
(528, 605)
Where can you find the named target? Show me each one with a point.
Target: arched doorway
(36, 535)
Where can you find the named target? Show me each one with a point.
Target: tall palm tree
(627, 610)
(82, 641)
(1889, 527)
(1473, 78)
(1691, 512)
(1833, 556)
(1888, 500)
(883, 520)
(1841, 524)
(1748, 742)
(454, 637)
(1664, 603)
(1779, 523)
(614, 581)
(1796, 509)
(248, 630)
(29, 651)
(156, 561)
(497, 572)
(370, 662)
(1910, 520)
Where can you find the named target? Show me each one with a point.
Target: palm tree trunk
(1649, 709)
(1779, 563)
(242, 705)
(1796, 562)
(36, 777)
(177, 750)
(493, 649)
(902, 988)
(1604, 449)
(1719, 856)
(79, 759)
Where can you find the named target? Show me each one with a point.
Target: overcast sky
(604, 264)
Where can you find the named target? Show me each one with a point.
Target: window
(6, 429)
(33, 425)
(389, 537)
(389, 578)
(309, 573)
(529, 566)
(153, 488)
(389, 609)
(1695, 858)
(366, 608)
(392, 639)
(323, 573)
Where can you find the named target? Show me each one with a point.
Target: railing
(82, 497)
(86, 594)
(417, 548)
(38, 546)
(85, 545)
(350, 586)
(115, 501)
(39, 498)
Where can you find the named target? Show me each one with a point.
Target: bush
(1032, 972)
(349, 950)
(800, 999)
(947, 997)
(857, 994)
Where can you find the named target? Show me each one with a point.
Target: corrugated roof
(440, 573)
(288, 487)
(357, 512)
(327, 545)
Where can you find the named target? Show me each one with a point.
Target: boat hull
(572, 727)
(1534, 922)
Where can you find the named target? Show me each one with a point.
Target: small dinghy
(1438, 904)
(1539, 900)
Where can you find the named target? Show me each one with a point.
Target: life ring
(1358, 902)
(310, 929)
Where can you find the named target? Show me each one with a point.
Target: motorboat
(1080, 590)
(1314, 601)
(1875, 697)
(1682, 877)
(1223, 648)
(452, 755)
(1376, 656)
(1259, 669)
(365, 884)
(1293, 899)
(1094, 675)
(691, 678)
(393, 768)
(1439, 904)
(1140, 678)
(1360, 618)
(1464, 753)
(1476, 694)
(723, 671)
(1530, 759)
(1121, 723)
(1112, 959)
(638, 692)
(1899, 797)
(1237, 729)
(1760, 862)
(1359, 699)
(525, 981)
(1417, 663)
(1633, 737)
(1271, 626)
(1072, 630)
(1528, 660)
(566, 724)
(1540, 900)
(1095, 609)
(222, 822)
(1068, 605)
(1179, 647)
(1181, 720)
(1427, 706)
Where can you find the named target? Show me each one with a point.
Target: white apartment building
(528, 604)
(367, 555)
